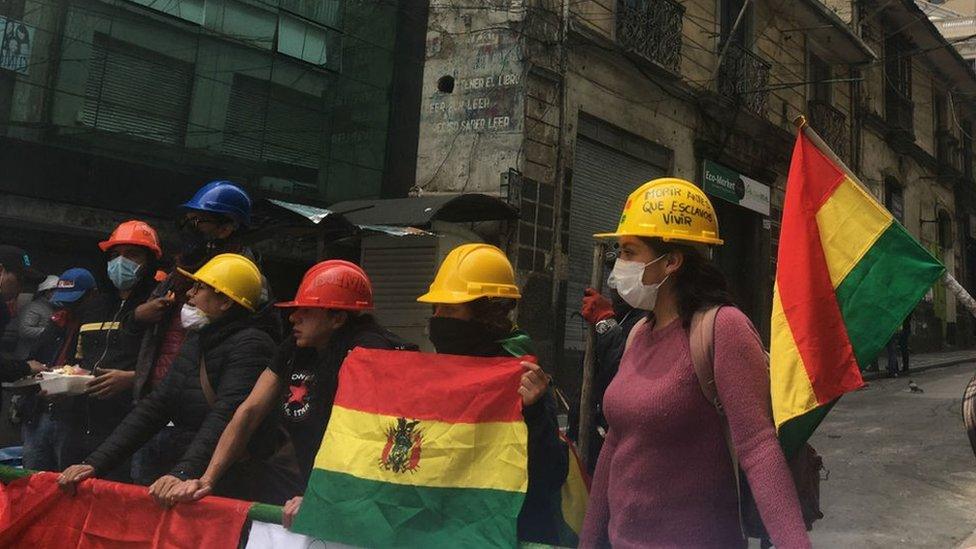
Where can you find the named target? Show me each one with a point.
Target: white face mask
(627, 278)
(192, 318)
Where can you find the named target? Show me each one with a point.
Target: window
(899, 109)
(308, 42)
(820, 76)
(894, 199)
(187, 10)
(325, 12)
(730, 11)
(269, 122)
(945, 230)
(136, 91)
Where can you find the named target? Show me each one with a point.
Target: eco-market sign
(734, 187)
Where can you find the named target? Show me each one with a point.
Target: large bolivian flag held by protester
(847, 276)
(422, 450)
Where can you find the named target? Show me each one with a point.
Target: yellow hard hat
(470, 272)
(233, 275)
(670, 209)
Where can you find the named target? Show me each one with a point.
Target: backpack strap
(701, 336)
(633, 331)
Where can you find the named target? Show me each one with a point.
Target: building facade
(111, 109)
(564, 108)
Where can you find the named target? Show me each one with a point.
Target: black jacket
(609, 350)
(235, 351)
(312, 379)
(538, 522)
(98, 343)
(13, 369)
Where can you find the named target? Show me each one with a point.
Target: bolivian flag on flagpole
(847, 276)
(422, 450)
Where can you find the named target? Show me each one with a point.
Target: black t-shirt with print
(312, 378)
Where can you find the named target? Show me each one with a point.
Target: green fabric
(794, 433)
(367, 513)
(518, 343)
(883, 288)
(262, 512)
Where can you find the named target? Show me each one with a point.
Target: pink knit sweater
(664, 477)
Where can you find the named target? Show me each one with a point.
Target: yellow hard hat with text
(470, 272)
(233, 275)
(671, 209)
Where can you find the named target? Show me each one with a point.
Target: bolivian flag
(422, 450)
(847, 276)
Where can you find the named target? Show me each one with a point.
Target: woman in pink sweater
(664, 477)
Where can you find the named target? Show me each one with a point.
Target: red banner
(35, 513)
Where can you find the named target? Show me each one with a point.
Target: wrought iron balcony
(652, 30)
(744, 77)
(831, 124)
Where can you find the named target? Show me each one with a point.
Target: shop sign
(734, 187)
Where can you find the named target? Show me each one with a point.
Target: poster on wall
(15, 45)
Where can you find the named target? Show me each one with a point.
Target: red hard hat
(136, 233)
(334, 284)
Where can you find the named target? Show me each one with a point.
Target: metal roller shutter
(603, 178)
(137, 91)
(401, 271)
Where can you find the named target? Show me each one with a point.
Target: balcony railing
(744, 77)
(831, 124)
(652, 30)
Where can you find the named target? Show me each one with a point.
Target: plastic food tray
(60, 384)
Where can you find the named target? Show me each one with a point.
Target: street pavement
(901, 470)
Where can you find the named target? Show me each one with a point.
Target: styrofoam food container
(59, 384)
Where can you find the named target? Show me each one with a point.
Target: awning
(422, 210)
(274, 216)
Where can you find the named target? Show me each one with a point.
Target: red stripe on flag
(104, 515)
(414, 385)
(805, 290)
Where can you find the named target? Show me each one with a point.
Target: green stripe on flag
(794, 433)
(883, 288)
(367, 513)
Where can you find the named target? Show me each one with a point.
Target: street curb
(871, 376)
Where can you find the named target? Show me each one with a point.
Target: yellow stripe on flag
(850, 222)
(451, 455)
(790, 387)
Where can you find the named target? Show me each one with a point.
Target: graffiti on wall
(484, 95)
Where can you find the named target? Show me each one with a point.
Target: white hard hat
(49, 283)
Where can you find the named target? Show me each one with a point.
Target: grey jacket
(30, 323)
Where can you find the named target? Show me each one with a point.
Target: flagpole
(589, 363)
(950, 282)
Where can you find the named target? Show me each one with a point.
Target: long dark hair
(698, 283)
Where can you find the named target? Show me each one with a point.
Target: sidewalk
(926, 361)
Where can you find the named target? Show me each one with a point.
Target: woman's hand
(290, 511)
(69, 479)
(534, 383)
(162, 489)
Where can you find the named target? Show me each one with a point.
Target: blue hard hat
(72, 284)
(224, 198)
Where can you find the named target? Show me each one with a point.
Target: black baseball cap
(16, 260)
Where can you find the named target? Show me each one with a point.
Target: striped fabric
(847, 276)
(421, 451)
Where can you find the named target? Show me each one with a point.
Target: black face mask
(193, 246)
(453, 336)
